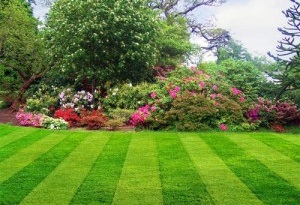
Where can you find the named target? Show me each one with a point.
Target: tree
(233, 50)
(187, 8)
(289, 52)
(102, 40)
(173, 41)
(21, 52)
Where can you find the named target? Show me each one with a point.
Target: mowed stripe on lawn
(181, 183)
(60, 185)
(282, 165)
(140, 182)
(18, 145)
(285, 147)
(100, 185)
(14, 136)
(222, 184)
(292, 138)
(21, 159)
(264, 183)
(13, 190)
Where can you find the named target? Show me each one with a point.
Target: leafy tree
(288, 75)
(173, 42)
(234, 50)
(21, 56)
(102, 40)
(187, 9)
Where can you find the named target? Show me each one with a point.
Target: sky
(252, 22)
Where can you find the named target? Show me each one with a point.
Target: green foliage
(119, 117)
(127, 96)
(190, 112)
(244, 75)
(288, 52)
(174, 41)
(21, 49)
(102, 40)
(54, 123)
(233, 50)
(42, 99)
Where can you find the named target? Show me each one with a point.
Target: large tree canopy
(21, 51)
(102, 40)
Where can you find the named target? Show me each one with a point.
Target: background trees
(288, 75)
(21, 51)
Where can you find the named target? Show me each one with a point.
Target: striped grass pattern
(81, 167)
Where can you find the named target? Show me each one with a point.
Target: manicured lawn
(80, 167)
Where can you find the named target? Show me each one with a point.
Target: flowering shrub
(190, 99)
(139, 118)
(268, 112)
(29, 119)
(277, 127)
(93, 120)
(128, 96)
(42, 100)
(79, 100)
(54, 124)
(68, 115)
(223, 127)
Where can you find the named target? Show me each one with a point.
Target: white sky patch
(254, 22)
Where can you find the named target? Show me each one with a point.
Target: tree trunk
(26, 84)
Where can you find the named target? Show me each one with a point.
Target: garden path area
(8, 116)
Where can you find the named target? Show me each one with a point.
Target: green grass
(81, 167)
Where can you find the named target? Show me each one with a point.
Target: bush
(127, 96)
(29, 119)
(267, 112)
(80, 100)
(192, 112)
(119, 117)
(68, 115)
(54, 124)
(93, 120)
(43, 99)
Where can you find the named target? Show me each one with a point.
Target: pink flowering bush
(267, 112)
(29, 119)
(190, 99)
(223, 127)
(140, 116)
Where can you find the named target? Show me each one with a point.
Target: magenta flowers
(223, 127)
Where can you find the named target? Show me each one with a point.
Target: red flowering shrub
(68, 115)
(277, 127)
(93, 120)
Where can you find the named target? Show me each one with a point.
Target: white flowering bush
(54, 123)
(78, 100)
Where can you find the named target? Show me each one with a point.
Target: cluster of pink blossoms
(29, 119)
(173, 92)
(236, 91)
